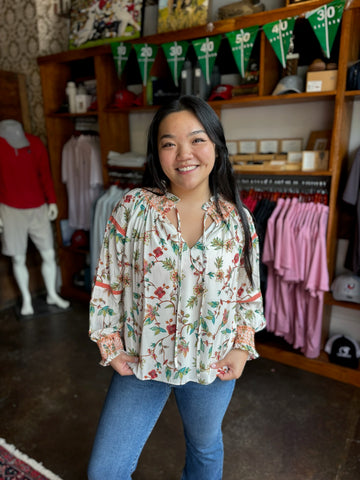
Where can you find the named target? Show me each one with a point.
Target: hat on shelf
(346, 288)
(221, 92)
(343, 350)
(289, 84)
(126, 98)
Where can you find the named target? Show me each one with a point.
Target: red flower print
(236, 258)
(171, 329)
(240, 291)
(158, 252)
(153, 374)
(159, 292)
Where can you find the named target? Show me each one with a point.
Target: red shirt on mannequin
(25, 177)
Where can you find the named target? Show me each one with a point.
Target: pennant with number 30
(175, 53)
(279, 34)
(325, 22)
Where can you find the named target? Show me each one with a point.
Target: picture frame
(319, 140)
(270, 145)
(232, 146)
(247, 147)
(291, 145)
(177, 15)
(95, 22)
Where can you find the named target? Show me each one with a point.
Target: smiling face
(186, 153)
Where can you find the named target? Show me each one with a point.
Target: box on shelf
(315, 160)
(322, 81)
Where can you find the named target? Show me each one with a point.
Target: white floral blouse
(178, 309)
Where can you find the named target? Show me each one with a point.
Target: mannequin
(27, 206)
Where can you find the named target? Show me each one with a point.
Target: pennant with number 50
(325, 22)
(145, 54)
(241, 43)
(279, 34)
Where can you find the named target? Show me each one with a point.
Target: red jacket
(25, 177)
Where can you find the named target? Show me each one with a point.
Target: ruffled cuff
(110, 347)
(245, 340)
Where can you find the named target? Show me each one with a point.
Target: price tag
(175, 53)
(145, 54)
(120, 52)
(241, 43)
(325, 22)
(279, 34)
(206, 50)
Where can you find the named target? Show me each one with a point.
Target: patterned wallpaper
(29, 29)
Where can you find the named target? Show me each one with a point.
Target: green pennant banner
(206, 50)
(120, 52)
(325, 22)
(279, 34)
(175, 53)
(145, 54)
(241, 43)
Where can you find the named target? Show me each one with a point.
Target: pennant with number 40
(325, 22)
(241, 43)
(175, 53)
(145, 54)
(206, 50)
(279, 34)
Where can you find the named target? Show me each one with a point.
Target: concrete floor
(282, 423)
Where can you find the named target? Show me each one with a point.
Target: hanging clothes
(352, 196)
(295, 256)
(82, 173)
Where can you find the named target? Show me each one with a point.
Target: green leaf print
(180, 373)
(92, 309)
(210, 316)
(168, 264)
(204, 325)
(158, 330)
(192, 301)
(131, 332)
(214, 304)
(175, 247)
(106, 311)
(168, 373)
(217, 244)
(219, 263)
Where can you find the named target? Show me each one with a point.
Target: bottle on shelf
(71, 94)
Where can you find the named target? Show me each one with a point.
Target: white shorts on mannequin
(21, 223)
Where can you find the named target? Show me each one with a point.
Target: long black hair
(221, 180)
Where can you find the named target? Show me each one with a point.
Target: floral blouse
(178, 309)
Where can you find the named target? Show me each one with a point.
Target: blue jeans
(131, 410)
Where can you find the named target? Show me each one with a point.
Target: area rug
(15, 465)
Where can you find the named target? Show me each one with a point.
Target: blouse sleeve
(106, 312)
(250, 315)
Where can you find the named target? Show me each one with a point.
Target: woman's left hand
(232, 365)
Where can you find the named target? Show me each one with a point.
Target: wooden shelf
(319, 366)
(330, 300)
(114, 130)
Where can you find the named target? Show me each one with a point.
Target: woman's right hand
(120, 363)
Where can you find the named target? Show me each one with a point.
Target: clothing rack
(306, 188)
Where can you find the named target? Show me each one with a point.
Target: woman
(177, 301)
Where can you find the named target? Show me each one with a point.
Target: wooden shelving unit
(97, 62)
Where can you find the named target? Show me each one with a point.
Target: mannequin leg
(21, 275)
(48, 270)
